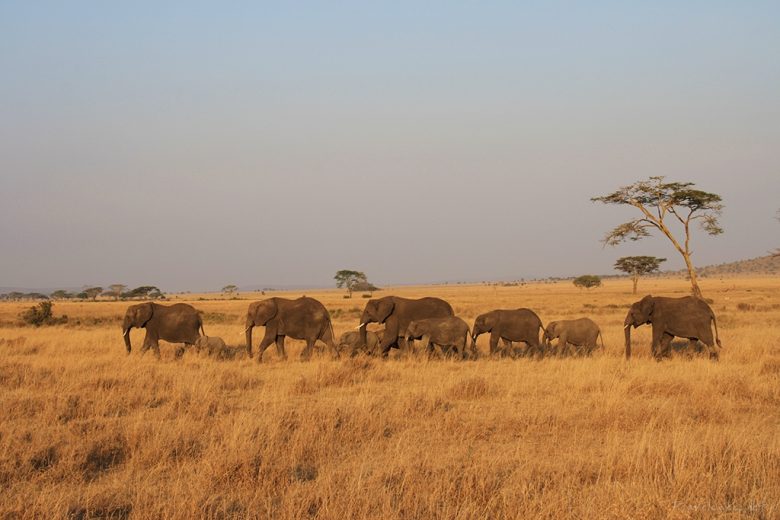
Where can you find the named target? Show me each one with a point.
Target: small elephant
(351, 341)
(446, 333)
(581, 333)
(214, 345)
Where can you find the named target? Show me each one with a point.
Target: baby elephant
(212, 344)
(351, 340)
(446, 333)
(582, 333)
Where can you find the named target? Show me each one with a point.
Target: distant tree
(587, 281)
(348, 279)
(656, 200)
(60, 294)
(116, 290)
(777, 251)
(365, 287)
(636, 266)
(149, 292)
(93, 292)
(15, 295)
(230, 290)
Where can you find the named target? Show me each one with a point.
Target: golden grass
(87, 431)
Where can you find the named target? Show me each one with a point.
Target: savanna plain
(87, 431)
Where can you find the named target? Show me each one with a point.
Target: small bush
(745, 307)
(41, 314)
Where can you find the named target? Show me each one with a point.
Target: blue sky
(191, 145)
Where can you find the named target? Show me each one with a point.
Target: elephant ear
(143, 313)
(646, 306)
(265, 311)
(384, 308)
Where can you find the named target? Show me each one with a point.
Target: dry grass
(86, 431)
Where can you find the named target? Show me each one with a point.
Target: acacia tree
(636, 266)
(349, 279)
(587, 281)
(93, 292)
(229, 290)
(659, 202)
(116, 290)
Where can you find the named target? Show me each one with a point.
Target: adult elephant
(509, 325)
(396, 313)
(178, 323)
(688, 317)
(304, 318)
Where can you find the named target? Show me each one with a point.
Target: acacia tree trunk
(695, 290)
(635, 279)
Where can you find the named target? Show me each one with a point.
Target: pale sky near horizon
(190, 145)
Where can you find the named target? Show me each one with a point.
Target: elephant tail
(717, 338)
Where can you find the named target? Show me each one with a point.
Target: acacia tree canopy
(658, 201)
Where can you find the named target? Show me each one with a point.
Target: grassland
(86, 431)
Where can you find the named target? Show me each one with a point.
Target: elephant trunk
(363, 342)
(248, 332)
(627, 328)
(126, 336)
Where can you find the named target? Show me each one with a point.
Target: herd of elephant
(430, 320)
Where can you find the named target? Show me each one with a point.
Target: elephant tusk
(361, 325)
(246, 329)
(627, 326)
(126, 332)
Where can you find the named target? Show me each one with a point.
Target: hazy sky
(190, 145)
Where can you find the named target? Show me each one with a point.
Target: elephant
(582, 332)
(446, 333)
(303, 318)
(212, 344)
(351, 340)
(178, 323)
(396, 313)
(509, 325)
(687, 317)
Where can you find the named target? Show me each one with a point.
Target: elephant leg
(327, 338)
(264, 344)
(306, 354)
(280, 346)
(493, 343)
(387, 343)
(179, 352)
(664, 347)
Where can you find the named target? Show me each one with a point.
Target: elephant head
(413, 332)
(258, 315)
(640, 313)
(376, 311)
(551, 332)
(136, 316)
(484, 323)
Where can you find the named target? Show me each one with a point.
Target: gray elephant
(351, 340)
(304, 318)
(396, 313)
(213, 345)
(178, 323)
(582, 332)
(509, 325)
(449, 333)
(687, 317)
